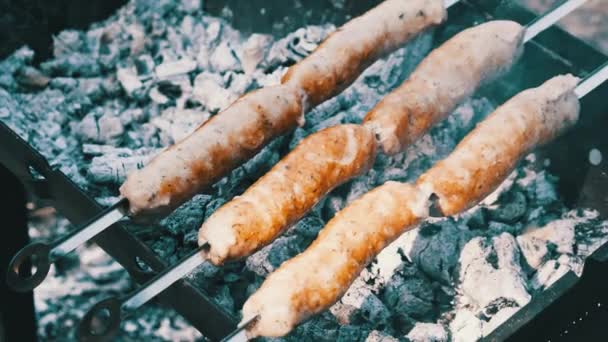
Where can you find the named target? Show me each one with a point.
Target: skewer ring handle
(101, 322)
(35, 254)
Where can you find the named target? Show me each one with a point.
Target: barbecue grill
(552, 52)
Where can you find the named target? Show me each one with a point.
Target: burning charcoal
(307, 228)
(343, 312)
(295, 46)
(132, 115)
(465, 327)
(136, 31)
(332, 204)
(128, 79)
(378, 336)
(110, 129)
(31, 78)
(113, 169)
(491, 270)
(262, 161)
(158, 97)
(144, 64)
(165, 247)
(169, 69)
(224, 58)
(436, 248)
(534, 250)
(178, 123)
(540, 188)
(409, 297)
(73, 65)
(510, 207)
(548, 273)
(348, 333)
(254, 50)
(478, 219)
(282, 249)
(213, 205)
(428, 332)
(209, 90)
(258, 263)
(66, 43)
(88, 129)
(187, 217)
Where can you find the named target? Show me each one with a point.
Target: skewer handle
(102, 321)
(40, 256)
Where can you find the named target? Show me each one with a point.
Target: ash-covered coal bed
(115, 95)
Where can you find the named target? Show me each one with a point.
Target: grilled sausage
(319, 163)
(234, 135)
(213, 150)
(315, 279)
(448, 75)
(336, 63)
(483, 159)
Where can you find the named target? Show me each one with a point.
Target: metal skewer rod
(42, 255)
(240, 333)
(553, 16)
(117, 309)
(595, 79)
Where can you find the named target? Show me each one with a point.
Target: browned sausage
(336, 63)
(448, 75)
(319, 163)
(213, 150)
(490, 152)
(312, 281)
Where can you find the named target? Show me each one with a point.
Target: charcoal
(110, 129)
(490, 269)
(30, 77)
(128, 79)
(112, 169)
(411, 297)
(511, 206)
(378, 336)
(254, 51)
(178, 123)
(428, 332)
(169, 69)
(224, 58)
(210, 92)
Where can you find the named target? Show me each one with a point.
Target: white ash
(428, 332)
(122, 91)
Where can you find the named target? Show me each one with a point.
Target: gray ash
(117, 94)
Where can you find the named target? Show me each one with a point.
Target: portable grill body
(553, 52)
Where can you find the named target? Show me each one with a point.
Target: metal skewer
(42, 255)
(595, 79)
(116, 309)
(240, 333)
(553, 16)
